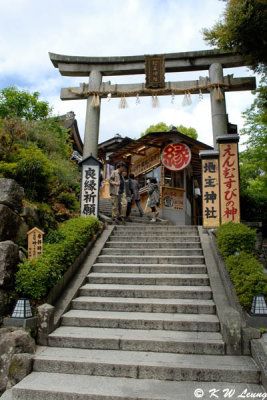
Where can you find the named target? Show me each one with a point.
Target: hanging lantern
(172, 98)
(200, 95)
(109, 96)
(137, 101)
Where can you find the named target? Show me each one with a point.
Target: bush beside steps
(37, 277)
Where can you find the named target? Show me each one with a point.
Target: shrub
(35, 278)
(69, 200)
(233, 237)
(247, 276)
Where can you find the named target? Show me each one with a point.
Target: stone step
(150, 268)
(155, 252)
(147, 291)
(138, 320)
(137, 220)
(152, 245)
(55, 386)
(151, 229)
(125, 259)
(144, 305)
(169, 228)
(149, 365)
(137, 340)
(141, 238)
(149, 279)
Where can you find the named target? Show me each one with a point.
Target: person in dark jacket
(136, 194)
(128, 193)
(154, 196)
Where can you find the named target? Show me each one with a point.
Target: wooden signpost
(35, 243)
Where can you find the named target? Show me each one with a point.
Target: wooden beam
(129, 65)
(231, 85)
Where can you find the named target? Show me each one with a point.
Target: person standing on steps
(116, 188)
(128, 193)
(136, 194)
(153, 201)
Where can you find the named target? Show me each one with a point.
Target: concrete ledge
(24, 322)
(259, 353)
(246, 333)
(257, 321)
(229, 317)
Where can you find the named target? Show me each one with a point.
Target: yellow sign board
(210, 192)
(229, 178)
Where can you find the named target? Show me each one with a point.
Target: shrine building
(173, 159)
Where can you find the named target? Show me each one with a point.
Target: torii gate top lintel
(129, 65)
(154, 67)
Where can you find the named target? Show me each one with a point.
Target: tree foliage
(253, 162)
(35, 151)
(162, 127)
(21, 104)
(242, 29)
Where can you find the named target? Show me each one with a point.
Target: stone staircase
(105, 208)
(143, 327)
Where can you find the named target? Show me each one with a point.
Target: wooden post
(229, 178)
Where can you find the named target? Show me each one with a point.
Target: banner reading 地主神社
(210, 188)
(229, 178)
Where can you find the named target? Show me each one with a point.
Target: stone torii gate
(154, 67)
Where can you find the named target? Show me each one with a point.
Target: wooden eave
(157, 140)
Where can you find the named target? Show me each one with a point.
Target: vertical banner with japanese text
(210, 191)
(90, 188)
(229, 180)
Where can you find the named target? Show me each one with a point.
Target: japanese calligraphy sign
(176, 156)
(155, 70)
(145, 163)
(35, 243)
(210, 191)
(229, 179)
(90, 187)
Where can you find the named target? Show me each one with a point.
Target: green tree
(253, 162)
(159, 127)
(162, 127)
(191, 132)
(22, 104)
(242, 29)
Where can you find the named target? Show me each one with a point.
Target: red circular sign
(176, 156)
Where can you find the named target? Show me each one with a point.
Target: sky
(30, 29)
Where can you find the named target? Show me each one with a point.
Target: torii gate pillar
(92, 120)
(218, 108)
